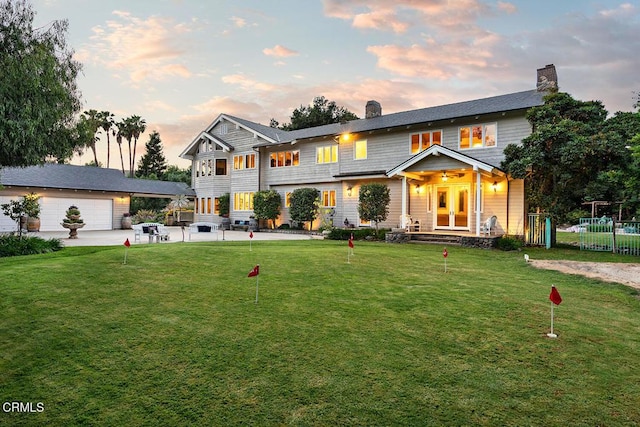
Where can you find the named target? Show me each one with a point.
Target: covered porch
(446, 192)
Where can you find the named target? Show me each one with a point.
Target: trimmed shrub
(358, 234)
(11, 245)
(509, 243)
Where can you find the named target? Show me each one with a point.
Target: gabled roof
(437, 150)
(495, 104)
(88, 178)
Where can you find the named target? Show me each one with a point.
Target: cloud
(401, 15)
(238, 22)
(279, 51)
(142, 49)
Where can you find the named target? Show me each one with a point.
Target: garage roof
(89, 178)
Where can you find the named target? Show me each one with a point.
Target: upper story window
(221, 166)
(478, 136)
(360, 149)
(424, 140)
(284, 158)
(238, 162)
(327, 154)
(244, 162)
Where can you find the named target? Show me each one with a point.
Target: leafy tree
(175, 174)
(153, 162)
(37, 87)
(374, 202)
(15, 210)
(322, 112)
(568, 148)
(266, 205)
(304, 205)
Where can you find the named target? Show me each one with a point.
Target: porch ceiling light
(444, 176)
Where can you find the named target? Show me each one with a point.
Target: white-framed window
(250, 161)
(327, 154)
(243, 201)
(221, 167)
(238, 162)
(209, 167)
(329, 198)
(360, 149)
(284, 159)
(423, 140)
(364, 223)
(478, 136)
(216, 205)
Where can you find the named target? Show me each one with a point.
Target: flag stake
(126, 248)
(551, 334)
(555, 299)
(257, 278)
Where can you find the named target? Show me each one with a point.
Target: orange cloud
(145, 49)
(279, 51)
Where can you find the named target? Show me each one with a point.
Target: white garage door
(6, 223)
(96, 213)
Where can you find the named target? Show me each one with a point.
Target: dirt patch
(627, 274)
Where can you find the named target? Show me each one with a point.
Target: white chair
(489, 225)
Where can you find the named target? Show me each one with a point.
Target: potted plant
(126, 221)
(32, 210)
(72, 221)
(224, 203)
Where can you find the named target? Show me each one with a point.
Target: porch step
(442, 239)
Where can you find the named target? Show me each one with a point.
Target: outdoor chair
(489, 225)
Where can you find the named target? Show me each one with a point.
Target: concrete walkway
(118, 237)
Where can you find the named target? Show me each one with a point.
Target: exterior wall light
(349, 188)
(495, 186)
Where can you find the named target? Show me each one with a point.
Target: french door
(452, 207)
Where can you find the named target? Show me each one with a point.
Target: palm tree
(122, 133)
(107, 123)
(138, 126)
(92, 123)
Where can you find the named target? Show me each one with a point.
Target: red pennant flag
(351, 243)
(251, 234)
(255, 271)
(555, 296)
(126, 243)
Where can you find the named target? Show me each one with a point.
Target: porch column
(404, 202)
(478, 199)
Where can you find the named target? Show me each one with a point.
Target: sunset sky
(180, 63)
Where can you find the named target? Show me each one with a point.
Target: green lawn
(175, 337)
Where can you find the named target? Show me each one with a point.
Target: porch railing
(538, 230)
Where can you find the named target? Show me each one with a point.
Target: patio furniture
(489, 225)
(154, 230)
(203, 227)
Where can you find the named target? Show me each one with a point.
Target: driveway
(118, 237)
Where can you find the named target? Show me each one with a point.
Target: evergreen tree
(153, 163)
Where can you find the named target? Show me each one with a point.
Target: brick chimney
(547, 78)
(373, 109)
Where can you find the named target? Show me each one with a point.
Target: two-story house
(441, 164)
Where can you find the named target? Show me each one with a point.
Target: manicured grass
(174, 337)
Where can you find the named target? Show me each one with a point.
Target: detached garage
(102, 195)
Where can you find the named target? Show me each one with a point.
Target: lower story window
(329, 198)
(243, 201)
